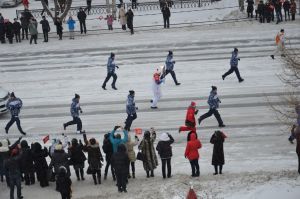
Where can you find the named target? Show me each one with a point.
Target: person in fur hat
(95, 158)
(190, 121)
(164, 150)
(217, 139)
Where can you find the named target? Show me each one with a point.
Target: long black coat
(60, 158)
(107, 148)
(9, 30)
(120, 160)
(17, 27)
(26, 158)
(77, 156)
(164, 148)
(39, 157)
(129, 14)
(94, 156)
(218, 153)
(166, 12)
(64, 183)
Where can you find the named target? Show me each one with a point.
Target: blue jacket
(71, 24)
(111, 66)
(116, 142)
(213, 100)
(234, 59)
(130, 105)
(14, 105)
(75, 108)
(170, 62)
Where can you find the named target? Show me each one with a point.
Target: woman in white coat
(157, 81)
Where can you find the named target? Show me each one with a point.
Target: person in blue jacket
(130, 110)
(14, 105)
(170, 67)
(234, 66)
(111, 67)
(213, 102)
(75, 109)
(71, 25)
(116, 140)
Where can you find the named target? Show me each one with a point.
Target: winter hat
(12, 94)
(170, 52)
(112, 54)
(92, 141)
(131, 92)
(235, 50)
(147, 135)
(193, 104)
(24, 144)
(282, 30)
(77, 96)
(164, 137)
(58, 147)
(74, 142)
(118, 136)
(213, 88)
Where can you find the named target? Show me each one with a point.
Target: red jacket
(25, 2)
(191, 150)
(190, 116)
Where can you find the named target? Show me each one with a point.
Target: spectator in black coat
(45, 27)
(164, 150)
(261, 11)
(40, 164)
(94, 158)
(2, 31)
(60, 158)
(9, 30)
(250, 8)
(59, 28)
(278, 7)
(287, 7)
(217, 140)
(25, 17)
(166, 15)
(120, 162)
(129, 15)
(82, 17)
(14, 172)
(108, 150)
(77, 158)
(64, 183)
(27, 163)
(17, 30)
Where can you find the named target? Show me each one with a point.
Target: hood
(193, 137)
(3, 93)
(37, 147)
(24, 144)
(4, 147)
(164, 137)
(121, 148)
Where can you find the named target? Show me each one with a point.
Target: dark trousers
(231, 70)
(65, 196)
(76, 120)
(130, 26)
(261, 18)
(13, 120)
(293, 16)
(279, 16)
(109, 75)
(132, 167)
(33, 37)
(89, 6)
(29, 178)
(129, 121)
(24, 33)
(172, 72)
(97, 176)
(77, 171)
(15, 180)
(123, 27)
(298, 154)
(82, 27)
(166, 22)
(18, 37)
(108, 163)
(164, 163)
(195, 167)
(210, 113)
(45, 32)
(121, 180)
(286, 12)
(220, 169)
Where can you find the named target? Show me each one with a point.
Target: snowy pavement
(259, 161)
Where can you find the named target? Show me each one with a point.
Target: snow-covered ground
(259, 161)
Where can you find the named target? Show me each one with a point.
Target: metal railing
(141, 7)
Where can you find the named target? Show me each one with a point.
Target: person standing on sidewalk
(82, 17)
(111, 67)
(166, 15)
(14, 104)
(75, 108)
(213, 102)
(45, 27)
(234, 66)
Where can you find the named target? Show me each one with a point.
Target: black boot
(95, 180)
(133, 175)
(216, 170)
(82, 174)
(152, 173)
(148, 176)
(220, 167)
(77, 174)
(99, 179)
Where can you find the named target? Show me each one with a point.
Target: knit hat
(131, 92)
(213, 88)
(77, 96)
(58, 147)
(235, 50)
(282, 30)
(170, 52)
(112, 54)
(164, 137)
(12, 94)
(193, 103)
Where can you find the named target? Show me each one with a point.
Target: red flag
(191, 194)
(45, 139)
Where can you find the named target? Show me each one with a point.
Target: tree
(61, 9)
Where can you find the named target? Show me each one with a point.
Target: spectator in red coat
(190, 121)
(25, 4)
(192, 154)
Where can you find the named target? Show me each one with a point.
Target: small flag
(191, 194)
(45, 139)
(138, 131)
